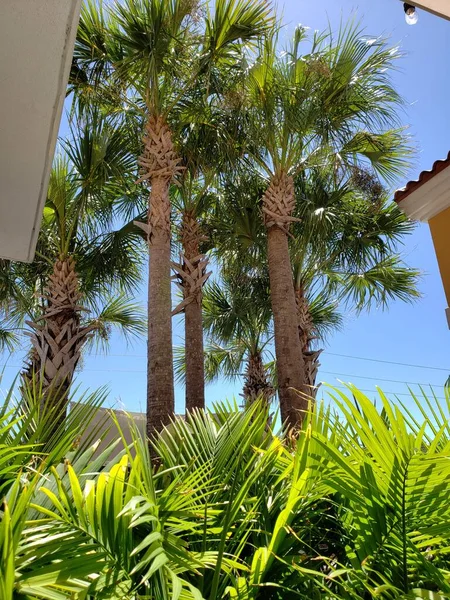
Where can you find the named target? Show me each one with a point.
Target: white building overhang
(37, 38)
(429, 195)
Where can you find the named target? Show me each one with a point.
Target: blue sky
(415, 334)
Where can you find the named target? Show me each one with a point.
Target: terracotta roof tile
(424, 177)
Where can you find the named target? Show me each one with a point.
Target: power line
(390, 362)
(378, 360)
(87, 370)
(378, 378)
(326, 372)
(365, 358)
(384, 392)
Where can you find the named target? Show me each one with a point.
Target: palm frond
(122, 315)
(384, 281)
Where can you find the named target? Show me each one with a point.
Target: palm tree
(344, 251)
(214, 138)
(9, 340)
(344, 255)
(76, 287)
(239, 332)
(191, 275)
(332, 106)
(163, 50)
(358, 508)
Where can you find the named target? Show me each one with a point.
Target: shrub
(355, 507)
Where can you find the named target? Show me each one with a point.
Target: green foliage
(354, 508)
(333, 104)
(91, 174)
(28, 443)
(345, 253)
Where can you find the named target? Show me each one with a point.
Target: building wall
(440, 231)
(102, 425)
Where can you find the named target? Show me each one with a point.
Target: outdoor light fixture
(411, 16)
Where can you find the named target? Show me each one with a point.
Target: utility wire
(8, 366)
(377, 378)
(326, 372)
(377, 360)
(390, 362)
(341, 387)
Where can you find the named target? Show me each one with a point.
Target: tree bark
(195, 366)
(160, 387)
(159, 164)
(306, 336)
(191, 276)
(57, 339)
(256, 384)
(278, 205)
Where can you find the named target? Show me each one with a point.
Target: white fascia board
(37, 38)
(429, 199)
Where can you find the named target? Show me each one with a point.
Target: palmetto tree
(241, 336)
(76, 288)
(214, 139)
(333, 105)
(238, 325)
(191, 274)
(162, 50)
(344, 253)
(344, 256)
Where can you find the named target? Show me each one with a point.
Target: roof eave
(36, 43)
(427, 196)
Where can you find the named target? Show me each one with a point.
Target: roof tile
(424, 177)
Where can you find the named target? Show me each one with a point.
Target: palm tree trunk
(160, 388)
(192, 275)
(278, 205)
(159, 164)
(306, 336)
(256, 384)
(57, 339)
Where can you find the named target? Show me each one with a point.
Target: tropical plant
(344, 255)
(76, 288)
(354, 507)
(191, 276)
(239, 328)
(213, 140)
(159, 52)
(239, 337)
(336, 516)
(28, 440)
(332, 107)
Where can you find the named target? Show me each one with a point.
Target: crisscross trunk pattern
(278, 206)
(57, 337)
(191, 276)
(306, 336)
(159, 165)
(256, 384)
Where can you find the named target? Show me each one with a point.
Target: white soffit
(441, 8)
(36, 46)
(429, 199)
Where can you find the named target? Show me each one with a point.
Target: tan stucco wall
(103, 425)
(440, 231)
